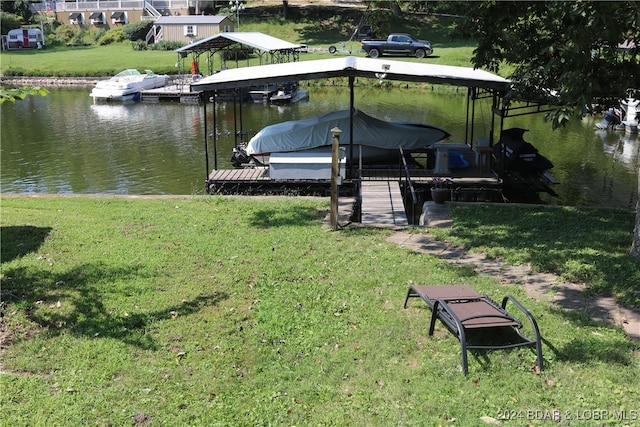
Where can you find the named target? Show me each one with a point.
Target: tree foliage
(9, 21)
(21, 8)
(136, 30)
(565, 53)
(20, 93)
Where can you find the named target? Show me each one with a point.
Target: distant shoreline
(55, 82)
(50, 81)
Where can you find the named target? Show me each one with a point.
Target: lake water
(64, 143)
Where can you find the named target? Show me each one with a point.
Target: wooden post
(335, 171)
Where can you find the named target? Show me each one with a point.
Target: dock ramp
(382, 204)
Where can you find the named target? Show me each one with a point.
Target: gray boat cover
(297, 135)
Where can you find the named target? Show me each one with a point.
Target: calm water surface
(64, 143)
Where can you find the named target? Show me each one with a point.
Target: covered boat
(127, 85)
(380, 140)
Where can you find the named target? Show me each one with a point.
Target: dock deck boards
(174, 92)
(240, 175)
(382, 204)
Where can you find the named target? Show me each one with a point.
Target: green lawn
(82, 61)
(248, 311)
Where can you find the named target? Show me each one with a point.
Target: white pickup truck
(397, 44)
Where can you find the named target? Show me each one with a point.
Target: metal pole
(351, 111)
(215, 133)
(335, 171)
(235, 117)
(206, 142)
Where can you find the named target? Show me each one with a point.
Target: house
(175, 20)
(190, 28)
(104, 18)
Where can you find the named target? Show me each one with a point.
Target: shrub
(93, 35)
(165, 45)
(139, 45)
(136, 30)
(114, 35)
(52, 40)
(68, 34)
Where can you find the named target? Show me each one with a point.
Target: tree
(566, 54)
(21, 8)
(20, 93)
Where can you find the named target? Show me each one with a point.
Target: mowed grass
(319, 32)
(249, 311)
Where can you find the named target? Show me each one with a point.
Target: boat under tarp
(379, 139)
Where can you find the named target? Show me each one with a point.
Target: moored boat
(288, 94)
(127, 85)
(263, 93)
(374, 140)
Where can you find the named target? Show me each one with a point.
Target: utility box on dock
(312, 164)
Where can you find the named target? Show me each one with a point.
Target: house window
(76, 19)
(119, 18)
(190, 30)
(97, 18)
(226, 28)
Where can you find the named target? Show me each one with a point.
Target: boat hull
(289, 98)
(127, 86)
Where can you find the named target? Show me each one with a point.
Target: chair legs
(534, 324)
(448, 305)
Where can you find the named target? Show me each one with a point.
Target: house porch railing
(64, 6)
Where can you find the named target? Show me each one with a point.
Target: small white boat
(127, 85)
(288, 94)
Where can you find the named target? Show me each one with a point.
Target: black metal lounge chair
(466, 312)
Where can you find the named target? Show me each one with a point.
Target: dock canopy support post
(203, 98)
(335, 152)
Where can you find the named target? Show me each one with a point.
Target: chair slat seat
(480, 314)
(462, 309)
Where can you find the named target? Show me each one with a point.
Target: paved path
(540, 286)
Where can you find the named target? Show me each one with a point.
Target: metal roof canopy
(260, 41)
(276, 50)
(477, 82)
(351, 66)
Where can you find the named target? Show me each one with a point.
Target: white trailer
(24, 38)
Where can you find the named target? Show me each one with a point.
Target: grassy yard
(248, 311)
(318, 31)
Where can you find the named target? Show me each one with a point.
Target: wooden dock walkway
(382, 204)
(172, 93)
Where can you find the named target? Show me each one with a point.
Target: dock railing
(407, 175)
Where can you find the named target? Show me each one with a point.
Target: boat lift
(480, 84)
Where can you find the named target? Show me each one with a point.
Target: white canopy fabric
(356, 67)
(255, 40)
(315, 132)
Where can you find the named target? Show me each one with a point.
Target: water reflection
(63, 143)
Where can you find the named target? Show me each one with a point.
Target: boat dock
(177, 92)
(380, 200)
